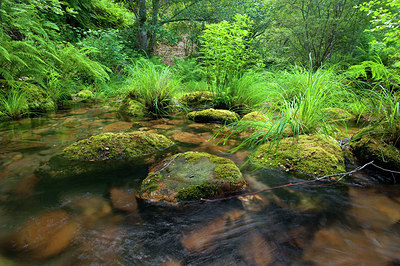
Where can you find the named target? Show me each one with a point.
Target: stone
(116, 146)
(206, 238)
(85, 94)
(38, 99)
(316, 155)
(117, 126)
(191, 138)
(89, 209)
(131, 106)
(369, 149)
(371, 209)
(191, 176)
(256, 250)
(255, 116)
(46, 236)
(338, 114)
(214, 115)
(198, 100)
(123, 200)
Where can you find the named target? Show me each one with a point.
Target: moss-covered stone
(337, 114)
(116, 145)
(370, 149)
(198, 100)
(213, 115)
(191, 176)
(38, 100)
(85, 94)
(131, 106)
(255, 116)
(318, 155)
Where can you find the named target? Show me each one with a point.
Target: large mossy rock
(131, 106)
(317, 155)
(38, 100)
(214, 115)
(116, 145)
(337, 114)
(198, 100)
(191, 176)
(369, 149)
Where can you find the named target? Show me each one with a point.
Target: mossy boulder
(255, 116)
(116, 146)
(198, 100)
(191, 176)
(317, 155)
(214, 115)
(38, 100)
(369, 149)
(338, 114)
(132, 107)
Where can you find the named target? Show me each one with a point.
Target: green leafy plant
(225, 49)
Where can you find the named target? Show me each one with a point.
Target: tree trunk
(142, 28)
(154, 25)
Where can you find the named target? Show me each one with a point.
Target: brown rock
(117, 126)
(122, 200)
(163, 126)
(256, 251)
(27, 186)
(47, 235)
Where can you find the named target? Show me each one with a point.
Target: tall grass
(13, 104)
(301, 100)
(153, 85)
(241, 93)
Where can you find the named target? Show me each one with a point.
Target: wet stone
(123, 200)
(256, 250)
(117, 126)
(191, 176)
(46, 235)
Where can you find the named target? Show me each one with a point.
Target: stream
(95, 219)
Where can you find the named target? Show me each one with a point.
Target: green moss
(255, 116)
(38, 99)
(85, 94)
(131, 107)
(116, 145)
(318, 155)
(371, 149)
(213, 115)
(337, 114)
(198, 100)
(191, 175)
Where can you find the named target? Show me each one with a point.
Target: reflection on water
(95, 219)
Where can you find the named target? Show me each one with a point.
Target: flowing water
(96, 220)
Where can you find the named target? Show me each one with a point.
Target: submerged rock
(318, 155)
(45, 236)
(370, 149)
(116, 145)
(191, 176)
(214, 115)
(117, 126)
(123, 200)
(198, 100)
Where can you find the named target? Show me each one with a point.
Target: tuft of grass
(241, 93)
(13, 103)
(300, 97)
(154, 85)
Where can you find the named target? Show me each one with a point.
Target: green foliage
(188, 70)
(106, 47)
(374, 73)
(153, 85)
(225, 49)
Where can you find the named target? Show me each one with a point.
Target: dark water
(95, 219)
